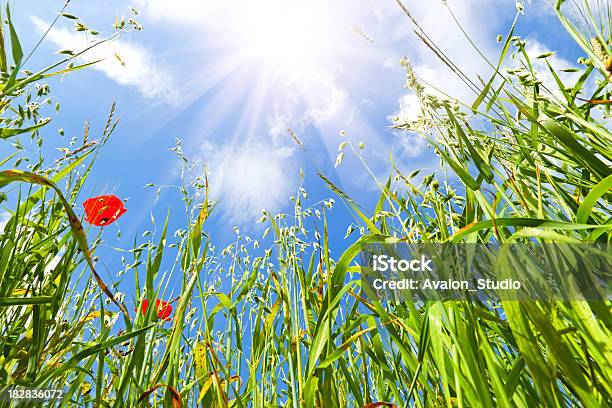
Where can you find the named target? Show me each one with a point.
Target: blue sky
(228, 78)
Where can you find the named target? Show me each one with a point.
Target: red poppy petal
(103, 210)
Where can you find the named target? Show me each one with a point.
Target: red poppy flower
(164, 309)
(103, 210)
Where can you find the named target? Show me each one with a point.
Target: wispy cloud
(137, 67)
(247, 178)
(307, 101)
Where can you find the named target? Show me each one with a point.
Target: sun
(275, 63)
(286, 34)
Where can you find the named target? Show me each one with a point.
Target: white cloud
(246, 178)
(534, 49)
(409, 108)
(5, 216)
(306, 101)
(138, 67)
(410, 145)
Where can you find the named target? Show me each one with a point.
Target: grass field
(287, 323)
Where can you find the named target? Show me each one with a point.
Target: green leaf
(569, 139)
(521, 222)
(109, 343)
(3, 64)
(15, 44)
(342, 348)
(69, 16)
(7, 132)
(20, 301)
(601, 189)
(480, 163)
